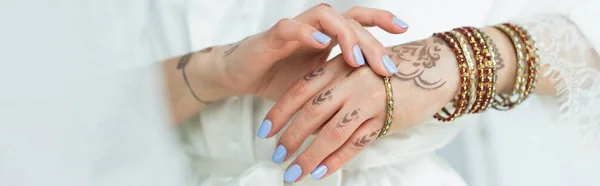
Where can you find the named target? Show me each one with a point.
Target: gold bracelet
(491, 70)
(471, 65)
(505, 102)
(531, 56)
(389, 114)
(460, 104)
(479, 54)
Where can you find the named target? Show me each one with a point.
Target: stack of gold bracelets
(478, 73)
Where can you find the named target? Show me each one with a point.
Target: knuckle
(289, 140)
(309, 158)
(299, 88)
(336, 133)
(324, 6)
(309, 112)
(278, 109)
(278, 27)
(354, 9)
(336, 160)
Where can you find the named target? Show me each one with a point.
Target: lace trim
(573, 70)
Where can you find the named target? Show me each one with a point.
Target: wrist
(205, 73)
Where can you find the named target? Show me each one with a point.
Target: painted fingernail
(264, 129)
(279, 154)
(358, 56)
(400, 23)
(389, 65)
(319, 172)
(292, 173)
(321, 38)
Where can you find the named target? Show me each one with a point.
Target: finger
(365, 135)
(325, 18)
(309, 119)
(297, 95)
(332, 136)
(373, 50)
(286, 30)
(377, 17)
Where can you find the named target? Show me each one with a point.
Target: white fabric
(80, 103)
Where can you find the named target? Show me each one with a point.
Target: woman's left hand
(347, 107)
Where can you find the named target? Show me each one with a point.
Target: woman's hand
(268, 63)
(347, 107)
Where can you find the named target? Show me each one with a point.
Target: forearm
(201, 70)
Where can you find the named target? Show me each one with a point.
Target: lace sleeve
(573, 68)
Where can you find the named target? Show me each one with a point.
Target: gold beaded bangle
(505, 102)
(480, 67)
(471, 64)
(490, 69)
(531, 56)
(461, 102)
(389, 114)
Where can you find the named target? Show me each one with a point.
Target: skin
(288, 66)
(347, 119)
(268, 63)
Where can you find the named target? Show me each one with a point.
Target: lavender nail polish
(292, 173)
(389, 65)
(279, 154)
(321, 38)
(319, 172)
(400, 23)
(264, 129)
(358, 56)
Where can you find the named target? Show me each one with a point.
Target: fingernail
(319, 172)
(400, 23)
(389, 65)
(279, 154)
(321, 38)
(292, 173)
(358, 56)
(264, 129)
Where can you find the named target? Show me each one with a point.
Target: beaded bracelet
(490, 68)
(505, 102)
(389, 108)
(461, 102)
(469, 58)
(480, 59)
(531, 56)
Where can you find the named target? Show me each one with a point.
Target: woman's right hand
(268, 63)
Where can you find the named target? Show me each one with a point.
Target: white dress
(81, 101)
(225, 150)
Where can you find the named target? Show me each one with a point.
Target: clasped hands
(342, 100)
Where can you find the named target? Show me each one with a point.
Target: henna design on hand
(499, 60)
(320, 71)
(233, 47)
(322, 97)
(184, 60)
(423, 55)
(363, 141)
(348, 118)
(206, 50)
